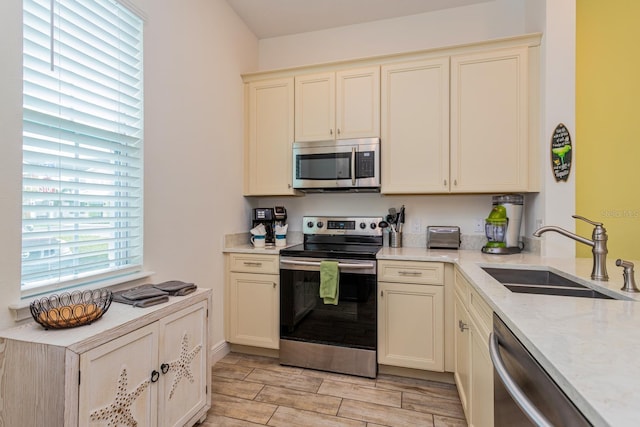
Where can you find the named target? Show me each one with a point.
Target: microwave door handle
(353, 166)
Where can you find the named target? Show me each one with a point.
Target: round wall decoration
(561, 153)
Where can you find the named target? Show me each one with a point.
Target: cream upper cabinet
(415, 127)
(489, 121)
(338, 105)
(268, 155)
(411, 315)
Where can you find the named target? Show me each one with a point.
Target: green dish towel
(329, 282)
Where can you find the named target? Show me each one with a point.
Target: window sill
(22, 312)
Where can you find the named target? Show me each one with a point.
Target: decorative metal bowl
(69, 310)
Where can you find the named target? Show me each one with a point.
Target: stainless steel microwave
(340, 165)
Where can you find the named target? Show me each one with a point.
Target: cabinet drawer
(253, 263)
(430, 273)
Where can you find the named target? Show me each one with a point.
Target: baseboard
(219, 351)
(443, 377)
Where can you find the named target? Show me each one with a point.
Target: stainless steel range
(338, 338)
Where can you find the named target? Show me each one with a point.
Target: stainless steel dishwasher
(524, 394)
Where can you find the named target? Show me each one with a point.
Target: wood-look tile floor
(251, 391)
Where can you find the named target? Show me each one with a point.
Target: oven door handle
(317, 264)
(512, 388)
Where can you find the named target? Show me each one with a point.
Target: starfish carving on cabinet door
(119, 412)
(182, 365)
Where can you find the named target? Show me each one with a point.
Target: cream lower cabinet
(411, 314)
(253, 300)
(473, 368)
(146, 367)
(269, 138)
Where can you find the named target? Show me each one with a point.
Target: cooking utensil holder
(395, 239)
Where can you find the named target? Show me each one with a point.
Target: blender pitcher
(495, 227)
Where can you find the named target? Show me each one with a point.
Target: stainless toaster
(443, 237)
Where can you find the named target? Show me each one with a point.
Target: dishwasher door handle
(317, 264)
(512, 388)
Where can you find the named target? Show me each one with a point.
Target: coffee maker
(269, 217)
(502, 226)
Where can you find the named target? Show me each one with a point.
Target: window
(82, 143)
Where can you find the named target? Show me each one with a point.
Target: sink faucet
(598, 245)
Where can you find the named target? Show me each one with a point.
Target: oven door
(305, 317)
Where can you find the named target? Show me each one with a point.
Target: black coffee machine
(269, 217)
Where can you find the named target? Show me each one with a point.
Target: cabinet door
(183, 389)
(489, 116)
(462, 353)
(358, 103)
(115, 381)
(481, 380)
(411, 325)
(269, 161)
(415, 127)
(315, 107)
(254, 309)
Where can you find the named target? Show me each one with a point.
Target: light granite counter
(590, 347)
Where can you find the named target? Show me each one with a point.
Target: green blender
(495, 227)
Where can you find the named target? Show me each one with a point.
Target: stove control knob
(363, 225)
(310, 224)
(373, 225)
(320, 224)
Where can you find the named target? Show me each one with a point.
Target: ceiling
(272, 18)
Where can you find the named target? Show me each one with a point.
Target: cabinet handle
(455, 182)
(338, 131)
(463, 326)
(252, 264)
(409, 273)
(154, 376)
(330, 131)
(274, 285)
(288, 185)
(164, 368)
(445, 182)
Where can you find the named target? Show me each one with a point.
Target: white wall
(483, 21)
(195, 52)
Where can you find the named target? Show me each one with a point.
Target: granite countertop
(590, 347)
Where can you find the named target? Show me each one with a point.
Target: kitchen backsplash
(468, 241)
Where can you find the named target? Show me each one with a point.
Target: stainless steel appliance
(341, 165)
(269, 217)
(524, 394)
(338, 338)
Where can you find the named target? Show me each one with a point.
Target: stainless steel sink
(543, 282)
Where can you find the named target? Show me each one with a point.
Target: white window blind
(82, 143)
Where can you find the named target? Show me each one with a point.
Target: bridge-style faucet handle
(627, 274)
